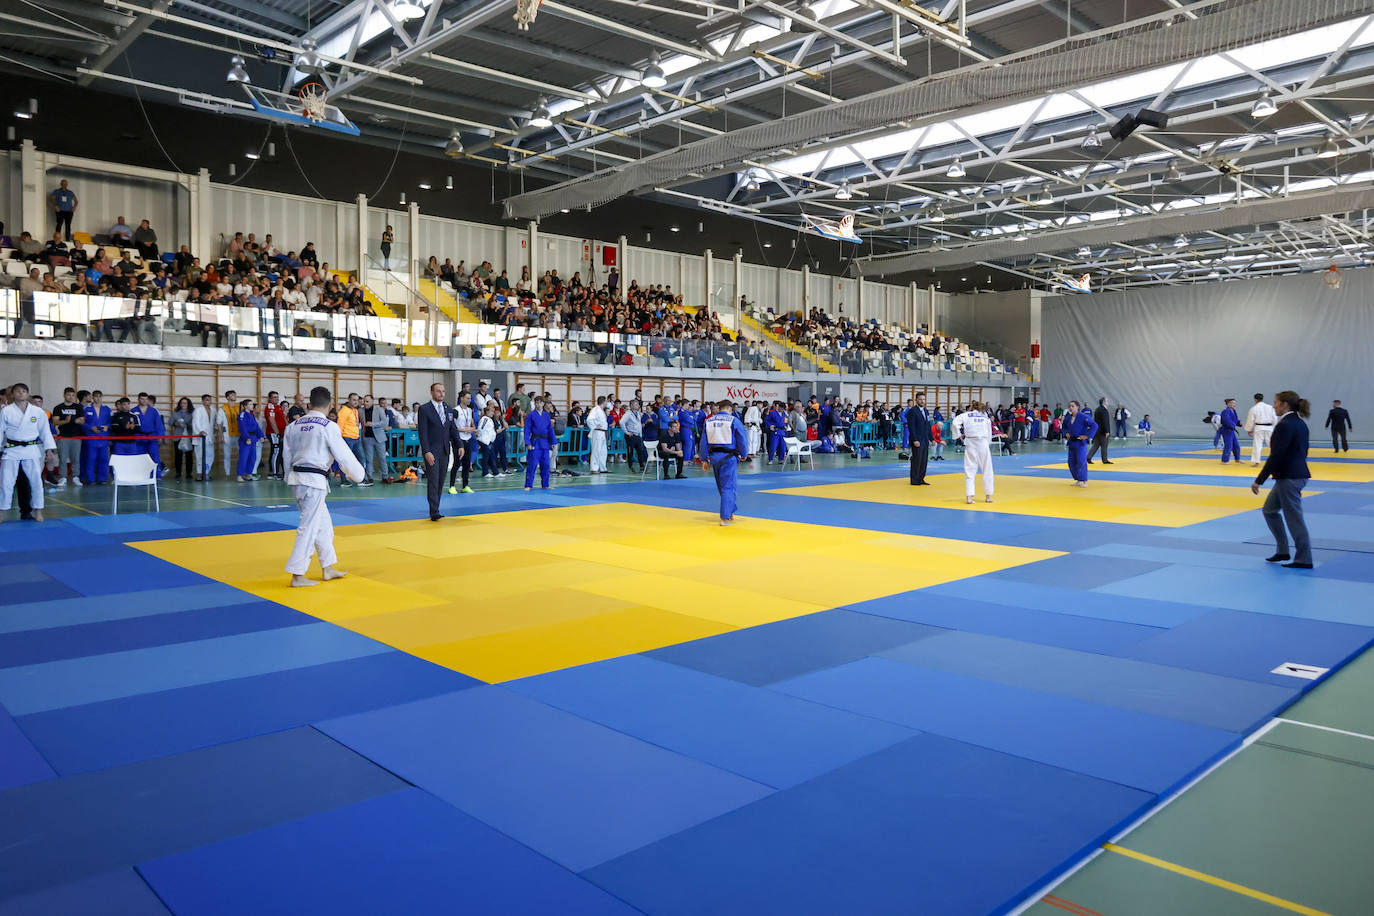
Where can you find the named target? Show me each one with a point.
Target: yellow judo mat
(513, 594)
(1350, 472)
(1318, 448)
(1165, 505)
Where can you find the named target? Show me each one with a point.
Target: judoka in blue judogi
(1230, 422)
(775, 428)
(539, 440)
(724, 440)
(1078, 429)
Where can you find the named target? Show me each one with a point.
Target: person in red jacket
(937, 443)
(1018, 423)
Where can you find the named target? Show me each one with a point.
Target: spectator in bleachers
(121, 233)
(55, 252)
(64, 203)
(27, 248)
(145, 240)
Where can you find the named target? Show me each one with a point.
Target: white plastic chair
(651, 449)
(134, 471)
(797, 448)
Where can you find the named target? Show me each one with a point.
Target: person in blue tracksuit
(539, 441)
(1078, 430)
(688, 423)
(775, 428)
(95, 466)
(1230, 422)
(724, 441)
(150, 423)
(666, 415)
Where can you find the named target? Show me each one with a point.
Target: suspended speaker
(1124, 128)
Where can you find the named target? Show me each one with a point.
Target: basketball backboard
(289, 107)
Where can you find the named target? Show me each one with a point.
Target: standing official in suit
(438, 436)
(1102, 419)
(918, 422)
(1287, 464)
(1338, 421)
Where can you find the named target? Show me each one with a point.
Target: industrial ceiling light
(448, 185)
(1091, 140)
(939, 215)
(805, 11)
(403, 198)
(1264, 105)
(752, 184)
(407, 10)
(674, 229)
(237, 73)
(540, 118)
(1328, 149)
(844, 192)
(1022, 236)
(956, 169)
(653, 77)
(308, 61)
(1044, 199)
(424, 186)
(1085, 252)
(454, 147)
(1181, 242)
(28, 112)
(1172, 173)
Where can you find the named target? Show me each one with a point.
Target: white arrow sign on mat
(1306, 672)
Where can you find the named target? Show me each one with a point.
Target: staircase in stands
(384, 310)
(757, 327)
(461, 312)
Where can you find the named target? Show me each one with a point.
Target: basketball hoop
(525, 11)
(1332, 277)
(314, 97)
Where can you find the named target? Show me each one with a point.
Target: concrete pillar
(202, 215)
(708, 268)
(806, 289)
(534, 256)
(911, 305)
(362, 237)
(738, 281)
(623, 262)
(33, 211)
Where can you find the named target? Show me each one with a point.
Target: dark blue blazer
(436, 435)
(918, 424)
(1287, 451)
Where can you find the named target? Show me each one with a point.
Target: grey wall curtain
(1177, 352)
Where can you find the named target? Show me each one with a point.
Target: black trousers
(920, 459)
(434, 480)
(24, 496)
(1100, 442)
(463, 464)
(64, 224)
(1338, 440)
(275, 463)
(635, 452)
(668, 462)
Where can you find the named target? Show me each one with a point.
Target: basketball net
(313, 98)
(525, 11)
(1332, 277)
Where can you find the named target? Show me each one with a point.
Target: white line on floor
(1327, 728)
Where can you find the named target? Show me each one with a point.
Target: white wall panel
(102, 198)
(693, 279)
(517, 251)
(9, 196)
(760, 284)
(789, 290)
(819, 292)
(563, 253)
(844, 296)
(471, 243)
(649, 267)
(292, 221)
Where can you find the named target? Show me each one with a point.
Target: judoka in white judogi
(25, 437)
(975, 428)
(310, 446)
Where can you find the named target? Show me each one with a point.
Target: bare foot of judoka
(725, 523)
(988, 500)
(330, 572)
(38, 515)
(302, 582)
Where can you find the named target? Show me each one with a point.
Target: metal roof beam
(552, 52)
(123, 41)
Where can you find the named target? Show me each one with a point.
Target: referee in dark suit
(1103, 419)
(918, 427)
(438, 437)
(1287, 464)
